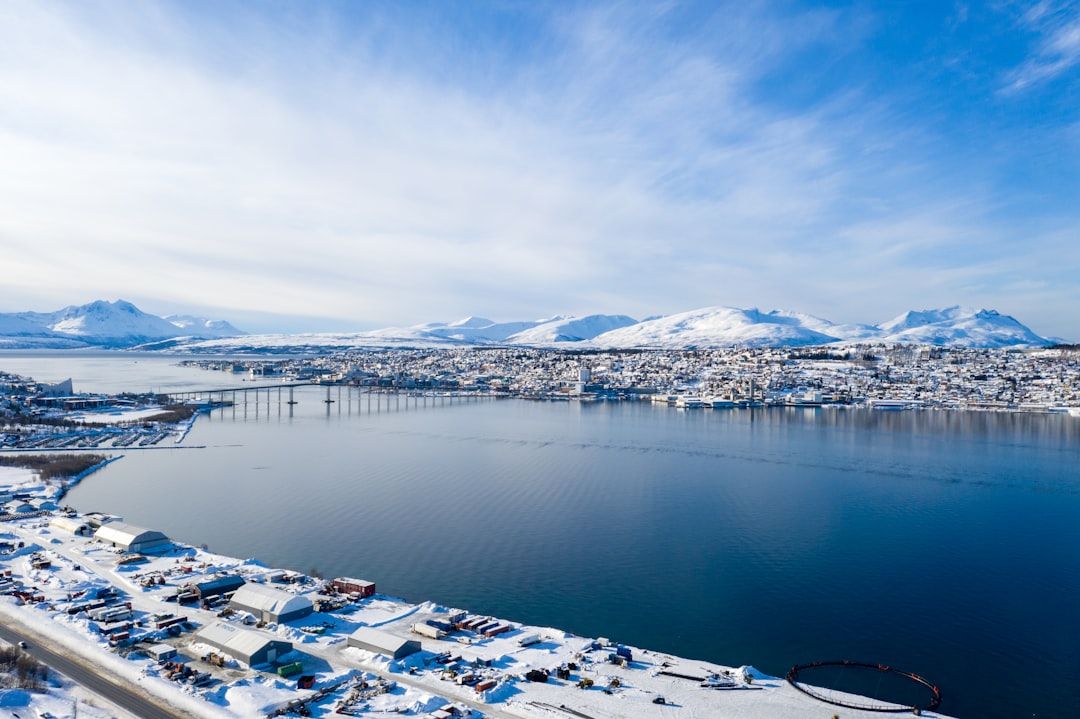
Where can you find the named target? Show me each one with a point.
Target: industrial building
(245, 645)
(71, 525)
(221, 585)
(348, 585)
(130, 538)
(379, 642)
(270, 604)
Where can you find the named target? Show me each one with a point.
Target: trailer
(528, 640)
(426, 630)
(111, 614)
(168, 621)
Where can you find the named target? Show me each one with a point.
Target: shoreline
(648, 677)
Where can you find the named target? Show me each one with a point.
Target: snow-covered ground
(60, 574)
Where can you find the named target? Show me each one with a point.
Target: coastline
(251, 692)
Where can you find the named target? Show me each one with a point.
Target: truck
(528, 639)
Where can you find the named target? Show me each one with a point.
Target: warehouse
(130, 538)
(373, 640)
(221, 585)
(71, 525)
(244, 645)
(270, 604)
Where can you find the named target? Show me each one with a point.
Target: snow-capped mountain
(714, 327)
(100, 324)
(476, 330)
(121, 324)
(570, 329)
(717, 327)
(960, 327)
(203, 328)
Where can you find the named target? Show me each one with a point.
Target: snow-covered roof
(68, 524)
(235, 640)
(123, 533)
(269, 599)
(376, 640)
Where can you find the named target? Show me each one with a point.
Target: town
(54, 416)
(871, 375)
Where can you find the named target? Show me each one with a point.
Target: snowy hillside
(570, 329)
(714, 327)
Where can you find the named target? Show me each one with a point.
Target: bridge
(270, 395)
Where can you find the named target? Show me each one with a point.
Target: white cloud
(1058, 48)
(361, 174)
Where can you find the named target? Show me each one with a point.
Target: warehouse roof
(235, 640)
(268, 599)
(128, 533)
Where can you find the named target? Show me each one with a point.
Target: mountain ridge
(120, 324)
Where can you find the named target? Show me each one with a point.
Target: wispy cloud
(1057, 50)
(382, 168)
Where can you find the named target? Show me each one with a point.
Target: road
(115, 690)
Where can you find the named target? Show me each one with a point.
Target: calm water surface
(943, 543)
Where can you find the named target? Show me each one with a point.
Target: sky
(339, 166)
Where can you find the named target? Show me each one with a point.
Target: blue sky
(336, 166)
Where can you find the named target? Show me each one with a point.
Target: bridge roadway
(189, 393)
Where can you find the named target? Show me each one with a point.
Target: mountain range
(120, 324)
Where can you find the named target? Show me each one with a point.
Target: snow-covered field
(59, 577)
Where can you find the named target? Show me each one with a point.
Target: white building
(130, 538)
(244, 645)
(379, 642)
(270, 604)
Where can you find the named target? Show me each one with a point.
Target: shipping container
(528, 639)
(287, 670)
(497, 630)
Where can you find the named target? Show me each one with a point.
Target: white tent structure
(270, 604)
(130, 538)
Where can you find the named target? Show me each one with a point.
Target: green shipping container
(287, 670)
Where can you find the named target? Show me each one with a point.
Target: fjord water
(944, 543)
